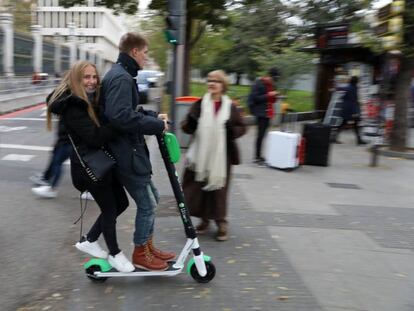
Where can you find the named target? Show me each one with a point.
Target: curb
(396, 154)
(2, 113)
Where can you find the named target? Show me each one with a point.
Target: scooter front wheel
(211, 272)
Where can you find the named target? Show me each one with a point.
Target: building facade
(94, 30)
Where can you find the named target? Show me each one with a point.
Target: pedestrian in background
(261, 99)
(351, 111)
(47, 181)
(75, 100)
(120, 100)
(215, 123)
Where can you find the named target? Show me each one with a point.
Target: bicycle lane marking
(22, 111)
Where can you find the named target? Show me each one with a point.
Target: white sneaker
(45, 192)
(91, 248)
(121, 263)
(39, 180)
(87, 196)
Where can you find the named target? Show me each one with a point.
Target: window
(55, 19)
(47, 19)
(62, 19)
(69, 18)
(76, 18)
(91, 20)
(98, 18)
(83, 21)
(41, 19)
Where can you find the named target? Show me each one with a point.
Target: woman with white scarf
(214, 122)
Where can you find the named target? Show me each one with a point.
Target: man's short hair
(132, 40)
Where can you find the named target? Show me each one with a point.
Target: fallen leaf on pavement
(283, 298)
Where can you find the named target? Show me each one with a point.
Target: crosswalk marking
(18, 157)
(28, 119)
(26, 147)
(5, 129)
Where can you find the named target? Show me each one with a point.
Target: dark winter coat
(62, 135)
(84, 132)
(120, 99)
(258, 99)
(350, 103)
(412, 95)
(211, 204)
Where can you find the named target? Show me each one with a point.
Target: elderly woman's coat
(211, 204)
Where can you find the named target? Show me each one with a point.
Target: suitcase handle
(291, 118)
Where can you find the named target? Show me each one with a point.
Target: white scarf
(207, 154)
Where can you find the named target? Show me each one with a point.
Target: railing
(25, 85)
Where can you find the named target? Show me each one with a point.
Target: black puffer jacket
(84, 132)
(258, 99)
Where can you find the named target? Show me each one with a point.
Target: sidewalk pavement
(317, 238)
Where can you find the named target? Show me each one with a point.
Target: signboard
(391, 24)
(332, 36)
(392, 9)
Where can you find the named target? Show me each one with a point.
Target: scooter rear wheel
(90, 274)
(211, 272)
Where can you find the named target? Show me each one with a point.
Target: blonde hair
(221, 76)
(72, 81)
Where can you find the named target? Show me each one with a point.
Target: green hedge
(297, 100)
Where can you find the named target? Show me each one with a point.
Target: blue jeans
(61, 153)
(146, 198)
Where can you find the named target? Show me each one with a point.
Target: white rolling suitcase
(282, 149)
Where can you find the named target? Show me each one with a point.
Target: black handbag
(96, 162)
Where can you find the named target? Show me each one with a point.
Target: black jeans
(262, 125)
(113, 201)
(355, 126)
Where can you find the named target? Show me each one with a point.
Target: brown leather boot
(166, 256)
(143, 258)
(222, 232)
(202, 226)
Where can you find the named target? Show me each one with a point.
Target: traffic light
(172, 33)
(175, 22)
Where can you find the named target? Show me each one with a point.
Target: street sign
(332, 36)
(390, 28)
(392, 9)
(393, 25)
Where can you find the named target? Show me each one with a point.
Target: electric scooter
(199, 266)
